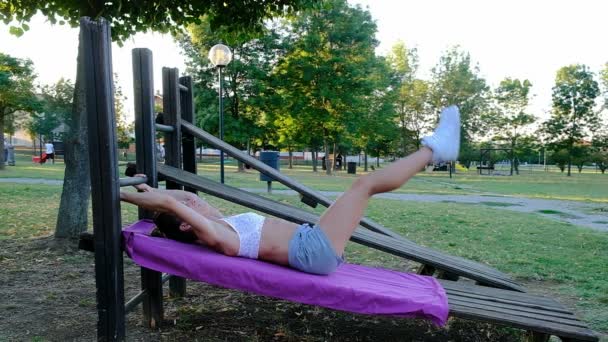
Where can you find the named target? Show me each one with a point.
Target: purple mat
(352, 288)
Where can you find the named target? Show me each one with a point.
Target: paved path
(591, 215)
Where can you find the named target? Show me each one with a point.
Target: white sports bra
(248, 227)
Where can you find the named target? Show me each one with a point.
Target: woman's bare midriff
(274, 244)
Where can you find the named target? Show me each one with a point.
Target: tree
(124, 129)
(599, 154)
(126, 19)
(456, 82)
(56, 105)
(604, 81)
(375, 124)
(246, 98)
(512, 96)
(412, 96)
(573, 115)
(16, 93)
(324, 78)
(561, 158)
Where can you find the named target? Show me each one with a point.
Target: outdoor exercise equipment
(540, 316)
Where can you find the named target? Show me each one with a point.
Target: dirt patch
(48, 294)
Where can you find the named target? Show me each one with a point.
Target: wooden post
(105, 188)
(188, 141)
(145, 149)
(173, 147)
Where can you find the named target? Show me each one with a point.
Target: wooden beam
(145, 147)
(105, 183)
(172, 113)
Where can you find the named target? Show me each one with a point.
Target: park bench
(540, 316)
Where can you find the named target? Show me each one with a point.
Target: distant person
(160, 152)
(50, 151)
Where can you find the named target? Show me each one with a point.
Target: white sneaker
(445, 141)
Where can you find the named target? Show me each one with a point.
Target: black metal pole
(221, 125)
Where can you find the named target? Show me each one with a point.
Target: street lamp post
(220, 56)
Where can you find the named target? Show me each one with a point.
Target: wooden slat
(455, 287)
(96, 51)
(387, 244)
(542, 314)
(557, 329)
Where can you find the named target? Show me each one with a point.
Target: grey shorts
(311, 251)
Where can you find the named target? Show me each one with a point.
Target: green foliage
(414, 114)
(573, 114)
(130, 17)
(246, 99)
(125, 131)
(560, 158)
(456, 82)
(56, 108)
(599, 154)
(16, 94)
(509, 118)
(327, 74)
(604, 81)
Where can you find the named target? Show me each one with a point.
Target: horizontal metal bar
(134, 302)
(183, 87)
(164, 128)
(133, 181)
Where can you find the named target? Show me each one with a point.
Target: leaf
(25, 27)
(17, 31)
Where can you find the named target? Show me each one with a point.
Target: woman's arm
(161, 202)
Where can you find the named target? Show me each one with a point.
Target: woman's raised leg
(341, 219)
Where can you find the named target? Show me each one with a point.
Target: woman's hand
(154, 201)
(142, 187)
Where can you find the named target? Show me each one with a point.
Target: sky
(522, 39)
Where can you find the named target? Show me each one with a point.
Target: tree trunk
(73, 209)
(2, 139)
(290, 158)
(327, 162)
(314, 159)
(365, 161)
(333, 160)
(378, 159)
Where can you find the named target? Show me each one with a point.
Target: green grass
(587, 186)
(563, 258)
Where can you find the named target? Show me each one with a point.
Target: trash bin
(352, 167)
(270, 158)
(11, 155)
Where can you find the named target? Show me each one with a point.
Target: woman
(315, 249)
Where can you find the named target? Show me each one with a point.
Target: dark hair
(131, 169)
(169, 225)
